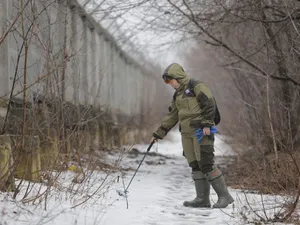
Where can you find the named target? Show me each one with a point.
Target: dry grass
(264, 174)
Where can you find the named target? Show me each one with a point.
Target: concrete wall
(75, 57)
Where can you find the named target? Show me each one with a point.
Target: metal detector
(124, 193)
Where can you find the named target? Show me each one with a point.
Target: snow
(155, 195)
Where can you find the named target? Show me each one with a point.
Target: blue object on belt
(199, 132)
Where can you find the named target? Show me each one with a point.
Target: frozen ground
(155, 196)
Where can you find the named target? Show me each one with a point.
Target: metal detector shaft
(150, 146)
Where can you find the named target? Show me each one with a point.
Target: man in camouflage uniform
(195, 109)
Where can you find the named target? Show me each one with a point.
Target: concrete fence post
(27, 159)
(7, 182)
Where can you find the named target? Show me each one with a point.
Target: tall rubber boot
(217, 181)
(202, 187)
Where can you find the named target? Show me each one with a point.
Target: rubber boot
(202, 187)
(217, 181)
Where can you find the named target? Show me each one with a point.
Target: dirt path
(156, 196)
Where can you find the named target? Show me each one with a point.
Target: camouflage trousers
(200, 156)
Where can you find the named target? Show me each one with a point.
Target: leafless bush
(64, 142)
(254, 44)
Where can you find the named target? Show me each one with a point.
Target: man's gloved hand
(200, 133)
(160, 133)
(154, 139)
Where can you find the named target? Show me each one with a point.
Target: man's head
(175, 76)
(171, 81)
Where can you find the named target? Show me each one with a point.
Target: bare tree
(254, 44)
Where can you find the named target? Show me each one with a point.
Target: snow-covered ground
(155, 196)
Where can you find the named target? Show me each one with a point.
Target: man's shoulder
(194, 82)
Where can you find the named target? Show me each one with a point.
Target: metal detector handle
(152, 142)
(150, 146)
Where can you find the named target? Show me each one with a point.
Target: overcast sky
(136, 29)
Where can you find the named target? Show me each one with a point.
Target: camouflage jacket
(192, 110)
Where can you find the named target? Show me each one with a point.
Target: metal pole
(150, 146)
